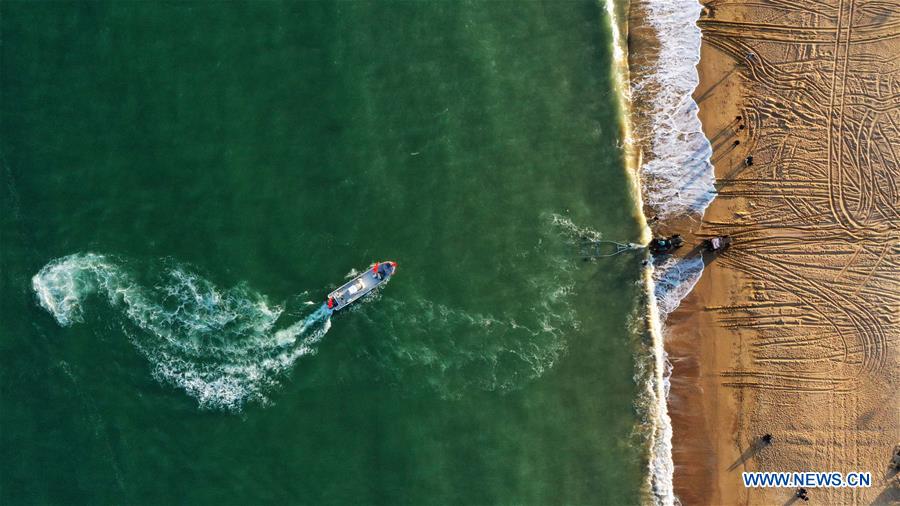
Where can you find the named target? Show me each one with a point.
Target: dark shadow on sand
(792, 500)
(729, 177)
(700, 250)
(712, 88)
(749, 453)
(890, 495)
(728, 129)
(724, 152)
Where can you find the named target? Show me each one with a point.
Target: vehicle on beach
(361, 285)
(717, 244)
(665, 245)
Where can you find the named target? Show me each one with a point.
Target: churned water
(677, 181)
(182, 185)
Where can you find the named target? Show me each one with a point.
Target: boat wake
(221, 346)
(230, 347)
(453, 350)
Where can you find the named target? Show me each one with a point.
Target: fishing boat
(361, 285)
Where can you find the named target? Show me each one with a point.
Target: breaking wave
(677, 180)
(677, 176)
(673, 280)
(221, 346)
(670, 281)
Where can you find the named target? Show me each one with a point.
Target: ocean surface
(184, 182)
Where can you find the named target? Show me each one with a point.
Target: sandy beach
(793, 331)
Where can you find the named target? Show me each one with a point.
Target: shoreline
(675, 179)
(650, 368)
(793, 331)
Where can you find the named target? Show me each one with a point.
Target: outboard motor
(383, 270)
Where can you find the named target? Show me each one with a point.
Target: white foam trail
(454, 349)
(573, 232)
(220, 346)
(677, 175)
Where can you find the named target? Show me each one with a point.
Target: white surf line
(658, 487)
(658, 481)
(680, 181)
(621, 81)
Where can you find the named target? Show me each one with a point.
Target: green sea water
(184, 182)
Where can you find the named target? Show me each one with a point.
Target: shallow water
(184, 183)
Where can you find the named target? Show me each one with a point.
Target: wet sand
(794, 330)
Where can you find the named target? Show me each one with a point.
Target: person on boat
(331, 303)
(384, 269)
